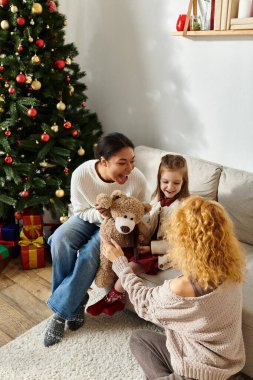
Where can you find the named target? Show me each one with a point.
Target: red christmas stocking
(111, 303)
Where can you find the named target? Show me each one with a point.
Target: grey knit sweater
(204, 335)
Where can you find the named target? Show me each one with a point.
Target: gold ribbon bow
(26, 241)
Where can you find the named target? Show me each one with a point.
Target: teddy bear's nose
(125, 229)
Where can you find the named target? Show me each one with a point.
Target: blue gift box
(9, 232)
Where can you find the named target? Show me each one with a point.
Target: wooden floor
(22, 299)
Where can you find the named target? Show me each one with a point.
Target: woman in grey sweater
(201, 310)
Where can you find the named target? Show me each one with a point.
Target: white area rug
(97, 351)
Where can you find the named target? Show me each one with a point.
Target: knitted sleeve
(143, 298)
(83, 206)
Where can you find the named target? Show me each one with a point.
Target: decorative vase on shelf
(245, 8)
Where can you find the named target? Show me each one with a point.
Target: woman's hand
(142, 249)
(103, 211)
(111, 250)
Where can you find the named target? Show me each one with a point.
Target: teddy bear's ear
(147, 207)
(116, 194)
(104, 201)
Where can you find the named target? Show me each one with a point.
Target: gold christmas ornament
(71, 90)
(37, 9)
(51, 200)
(5, 25)
(63, 219)
(1, 109)
(45, 164)
(81, 151)
(35, 60)
(14, 9)
(59, 193)
(61, 106)
(30, 39)
(55, 128)
(36, 85)
(1, 98)
(68, 61)
(29, 79)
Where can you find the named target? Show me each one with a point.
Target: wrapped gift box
(9, 232)
(13, 248)
(4, 257)
(32, 257)
(32, 217)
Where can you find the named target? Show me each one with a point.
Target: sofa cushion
(235, 193)
(203, 175)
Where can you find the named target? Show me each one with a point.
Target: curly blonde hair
(204, 246)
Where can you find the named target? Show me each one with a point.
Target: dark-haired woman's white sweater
(204, 335)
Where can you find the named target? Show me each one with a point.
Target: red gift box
(32, 257)
(32, 217)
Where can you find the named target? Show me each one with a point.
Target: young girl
(200, 311)
(172, 187)
(75, 245)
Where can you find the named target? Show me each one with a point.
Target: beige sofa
(234, 190)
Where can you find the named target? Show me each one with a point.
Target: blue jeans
(75, 249)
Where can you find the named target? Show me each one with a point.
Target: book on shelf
(217, 14)
(224, 13)
(241, 21)
(241, 26)
(233, 6)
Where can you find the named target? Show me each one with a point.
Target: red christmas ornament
(32, 112)
(51, 6)
(4, 3)
(1, 77)
(24, 179)
(21, 21)
(45, 137)
(18, 215)
(59, 64)
(84, 104)
(24, 194)
(8, 160)
(21, 78)
(68, 78)
(40, 43)
(1, 68)
(11, 90)
(20, 48)
(66, 170)
(75, 133)
(67, 124)
(7, 133)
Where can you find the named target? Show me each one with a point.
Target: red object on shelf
(181, 23)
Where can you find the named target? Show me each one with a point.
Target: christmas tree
(46, 131)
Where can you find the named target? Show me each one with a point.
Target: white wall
(189, 95)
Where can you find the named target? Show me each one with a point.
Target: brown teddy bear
(123, 225)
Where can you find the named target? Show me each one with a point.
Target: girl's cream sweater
(204, 335)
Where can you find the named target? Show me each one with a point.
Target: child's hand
(103, 211)
(112, 250)
(141, 238)
(143, 249)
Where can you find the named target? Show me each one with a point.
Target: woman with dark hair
(75, 245)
